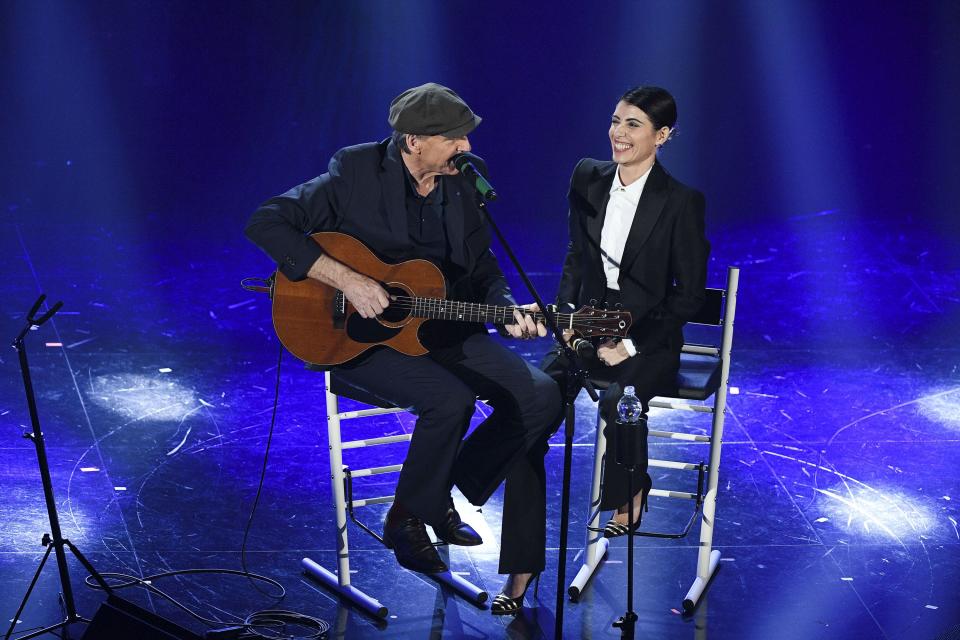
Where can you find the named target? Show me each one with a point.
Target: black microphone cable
(263, 473)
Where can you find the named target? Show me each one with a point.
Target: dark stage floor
(837, 512)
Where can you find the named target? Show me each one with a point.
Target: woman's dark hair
(657, 103)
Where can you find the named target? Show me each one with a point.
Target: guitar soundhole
(399, 310)
(373, 330)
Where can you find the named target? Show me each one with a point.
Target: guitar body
(316, 323)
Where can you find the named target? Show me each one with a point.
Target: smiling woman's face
(633, 139)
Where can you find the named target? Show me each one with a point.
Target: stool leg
(596, 485)
(595, 547)
(336, 483)
(708, 559)
(341, 582)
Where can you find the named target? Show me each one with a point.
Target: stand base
(594, 556)
(626, 624)
(365, 603)
(464, 587)
(700, 584)
(54, 627)
(589, 568)
(372, 606)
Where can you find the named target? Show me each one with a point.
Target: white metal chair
(704, 373)
(341, 481)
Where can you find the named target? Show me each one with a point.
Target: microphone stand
(55, 542)
(626, 435)
(576, 378)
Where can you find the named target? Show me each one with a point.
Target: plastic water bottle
(630, 432)
(629, 408)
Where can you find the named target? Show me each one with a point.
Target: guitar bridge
(339, 309)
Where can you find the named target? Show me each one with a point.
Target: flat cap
(432, 109)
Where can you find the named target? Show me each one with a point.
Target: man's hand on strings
(365, 294)
(525, 327)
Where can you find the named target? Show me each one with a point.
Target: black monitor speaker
(119, 619)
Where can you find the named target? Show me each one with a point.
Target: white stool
(341, 479)
(704, 373)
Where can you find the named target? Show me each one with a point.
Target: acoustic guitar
(317, 324)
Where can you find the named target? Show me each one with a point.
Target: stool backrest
(711, 313)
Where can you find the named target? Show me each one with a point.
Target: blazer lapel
(598, 195)
(394, 194)
(648, 212)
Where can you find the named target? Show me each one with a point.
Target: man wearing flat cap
(404, 199)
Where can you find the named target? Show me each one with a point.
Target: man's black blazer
(363, 195)
(663, 270)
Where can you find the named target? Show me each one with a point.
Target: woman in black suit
(636, 239)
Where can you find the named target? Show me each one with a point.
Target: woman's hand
(612, 352)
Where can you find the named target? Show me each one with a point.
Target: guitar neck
(441, 309)
(587, 321)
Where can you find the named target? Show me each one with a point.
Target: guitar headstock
(593, 322)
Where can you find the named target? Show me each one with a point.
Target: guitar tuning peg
(619, 305)
(593, 302)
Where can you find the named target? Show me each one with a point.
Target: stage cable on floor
(267, 623)
(263, 474)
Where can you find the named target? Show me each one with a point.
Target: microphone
(462, 163)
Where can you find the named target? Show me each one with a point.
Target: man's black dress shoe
(407, 536)
(455, 531)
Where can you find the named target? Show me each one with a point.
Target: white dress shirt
(616, 226)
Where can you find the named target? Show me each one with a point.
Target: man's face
(435, 153)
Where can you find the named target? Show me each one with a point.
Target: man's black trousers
(441, 388)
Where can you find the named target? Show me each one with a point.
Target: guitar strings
(453, 305)
(471, 309)
(507, 312)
